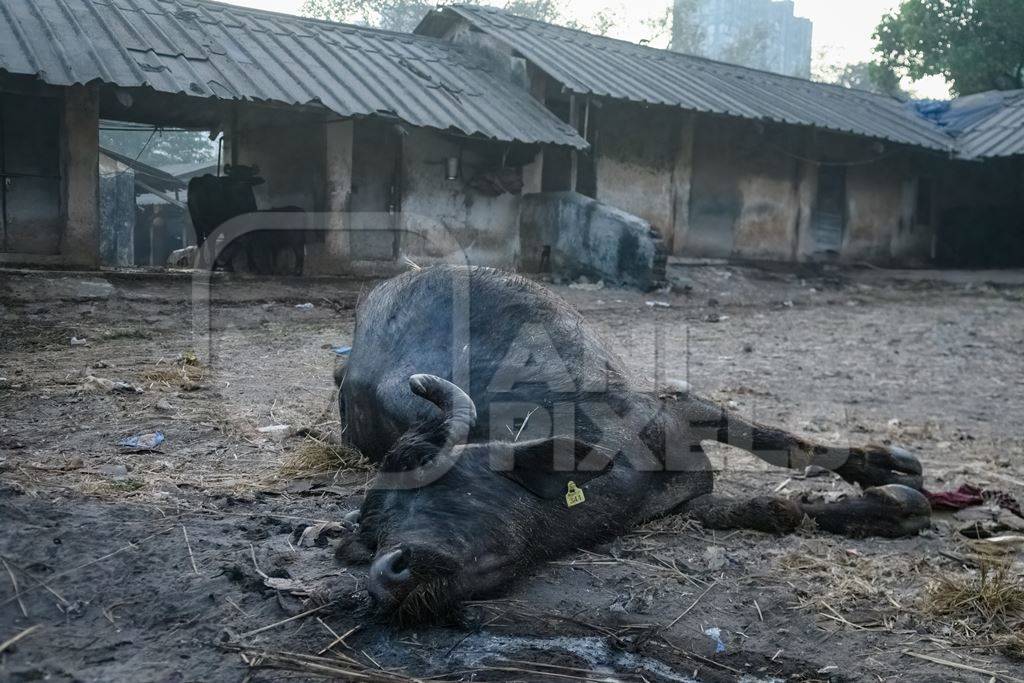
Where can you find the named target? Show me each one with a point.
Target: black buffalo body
(508, 432)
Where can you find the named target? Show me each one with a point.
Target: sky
(842, 29)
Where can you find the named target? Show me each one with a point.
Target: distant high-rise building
(763, 34)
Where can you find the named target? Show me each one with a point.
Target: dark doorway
(586, 166)
(30, 197)
(570, 169)
(376, 191)
(556, 175)
(829, 217)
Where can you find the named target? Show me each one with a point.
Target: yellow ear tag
(574, 496)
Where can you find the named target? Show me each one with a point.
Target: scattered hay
(838, 579)
(1012, 645)
(317, 455)
(126, 485)
(186, 372)
(988, 602)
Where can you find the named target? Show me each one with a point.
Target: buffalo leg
(867, 466)
(891, 511)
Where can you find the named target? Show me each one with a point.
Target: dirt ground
(188, 561)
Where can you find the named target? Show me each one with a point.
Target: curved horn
(458, 408)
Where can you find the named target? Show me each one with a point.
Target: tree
(160, 148)
(393, 15)
(869, 76)
(541, 10)
(976, 45)
(405, 15)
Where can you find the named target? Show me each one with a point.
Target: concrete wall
(635, 163)
(745, 200)
(316, 167)
(728, 188)
(879, 200)
(79, 168)
(291, 160)
(753, 191)
(338, 141)
(446, 219)
(81, 242)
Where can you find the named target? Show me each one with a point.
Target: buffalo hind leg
(867, 466)
(891, 511)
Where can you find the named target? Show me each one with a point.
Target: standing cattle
(507, 432)
(263, 242)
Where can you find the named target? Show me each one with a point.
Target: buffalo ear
(545, 467)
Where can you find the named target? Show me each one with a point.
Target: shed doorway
(829, 218)
(30, 179)
(376, 191)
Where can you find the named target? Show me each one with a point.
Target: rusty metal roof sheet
(208, 49)
(999, 135)
(597, 65)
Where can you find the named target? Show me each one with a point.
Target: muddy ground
(154, 566)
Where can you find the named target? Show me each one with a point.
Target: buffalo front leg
(890, 511)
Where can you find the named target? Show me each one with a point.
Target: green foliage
(868, 76)
(393, 15)
(159, 149)
(405, 15)
(976, 45)
(541, 10)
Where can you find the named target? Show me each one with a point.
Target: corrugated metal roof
(597, 65)
(999, 135)
(208, 49)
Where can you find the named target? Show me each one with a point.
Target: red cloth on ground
(969, 496)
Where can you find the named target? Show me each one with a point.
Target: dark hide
(475, 470)
(214, 200)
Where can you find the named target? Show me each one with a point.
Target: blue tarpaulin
(961, 115)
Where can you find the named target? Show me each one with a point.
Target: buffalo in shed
(507, 432)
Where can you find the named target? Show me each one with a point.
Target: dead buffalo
(507, 432)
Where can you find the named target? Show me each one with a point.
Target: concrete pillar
(807, 191)
(338, 145)
(533, 173)
(81, 119)
(682, 180)
(574, 121)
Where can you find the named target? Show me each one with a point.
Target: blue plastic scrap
(143, 441)
(342, 350)
(715, 634)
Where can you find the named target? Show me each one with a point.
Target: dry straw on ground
(186, 371)
(318, 454)
(987, 603)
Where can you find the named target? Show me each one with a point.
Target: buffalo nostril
(388, 573)
(400, 564)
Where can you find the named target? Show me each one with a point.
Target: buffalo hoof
(900, 510)
(892, 511)
(882, 466)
